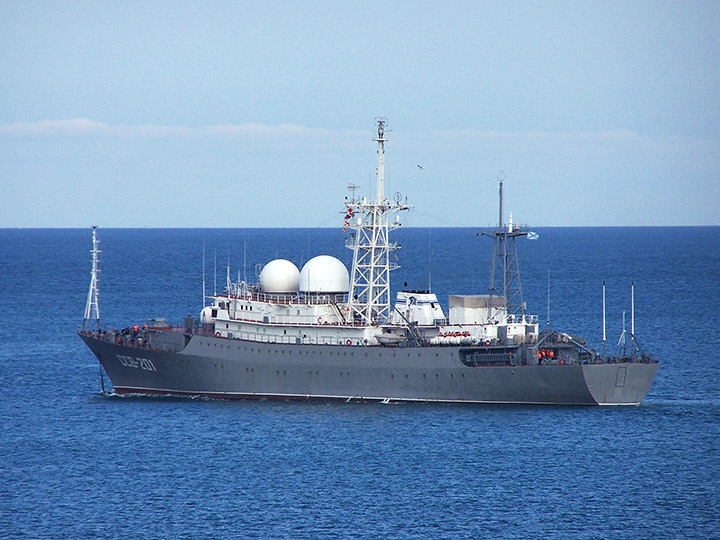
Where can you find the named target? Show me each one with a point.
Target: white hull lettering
(137, 363)
(146, 364)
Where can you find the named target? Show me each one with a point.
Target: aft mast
(92, 307)
(369, 301)
(505, 270)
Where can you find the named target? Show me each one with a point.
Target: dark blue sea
(77, 464)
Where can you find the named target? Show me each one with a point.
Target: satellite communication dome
(324, 274)
(279, 276)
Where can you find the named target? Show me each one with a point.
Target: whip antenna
(548, 300)
(203, 276)
(603, 305)
(632, 311)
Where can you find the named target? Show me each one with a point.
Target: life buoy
(486, 342)
(217, 334)
(319, 320)
(561, 361)
(348, 343)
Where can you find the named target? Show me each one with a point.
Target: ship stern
(621, 383)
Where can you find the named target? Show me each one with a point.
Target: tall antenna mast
(381, 140)
(632, 311)
(369, 300)
(547, 321)
(430, 261)
(228, 282)
(204, 298)
(92, 305)
(505, 261)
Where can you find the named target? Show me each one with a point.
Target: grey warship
(325, 333)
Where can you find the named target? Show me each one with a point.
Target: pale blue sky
(242, 114)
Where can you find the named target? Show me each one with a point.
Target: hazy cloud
(84, 127)
(617, 134)
(607, 140)
(616, 138)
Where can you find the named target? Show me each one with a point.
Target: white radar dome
(279, 276)
(324, 274)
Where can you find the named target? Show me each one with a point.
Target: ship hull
(234, 369)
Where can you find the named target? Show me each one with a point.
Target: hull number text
(137, 363)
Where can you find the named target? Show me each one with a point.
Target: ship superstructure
(323, 332)
(322, 303)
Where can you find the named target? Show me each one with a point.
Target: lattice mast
(505, 265)
(369, 301)
(92, 307)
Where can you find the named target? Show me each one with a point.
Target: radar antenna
(92, 306)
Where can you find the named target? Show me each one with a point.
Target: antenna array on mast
(369, 301)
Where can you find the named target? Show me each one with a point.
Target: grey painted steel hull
(223, 368)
